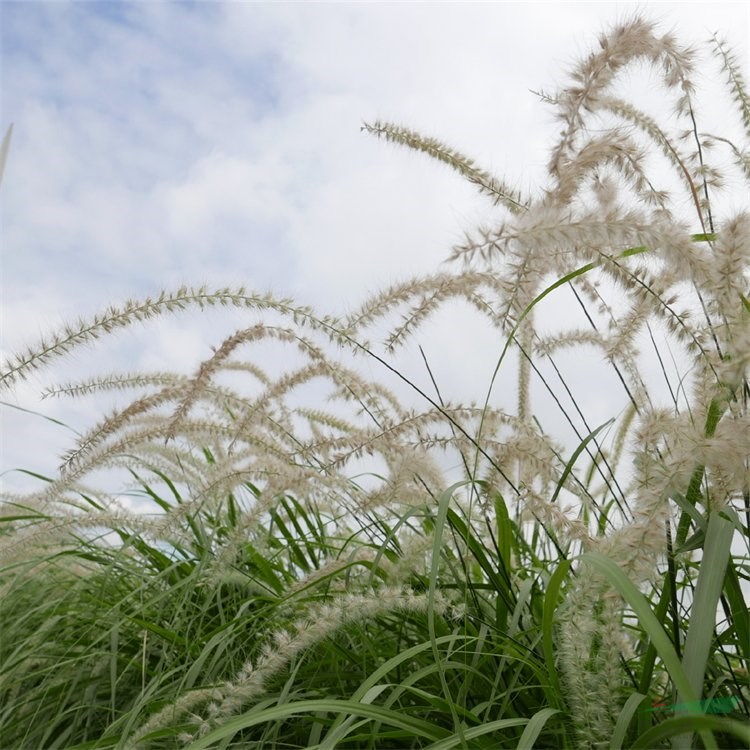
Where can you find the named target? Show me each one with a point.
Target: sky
(157, 144)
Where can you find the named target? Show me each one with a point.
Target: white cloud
(159, 143)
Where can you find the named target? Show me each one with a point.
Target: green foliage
(553, 597)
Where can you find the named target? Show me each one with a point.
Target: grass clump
(306, 580)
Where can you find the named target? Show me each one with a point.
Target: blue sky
(160, 143)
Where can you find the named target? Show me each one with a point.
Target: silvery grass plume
(610, 227)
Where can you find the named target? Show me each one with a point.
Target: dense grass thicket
(313, 576)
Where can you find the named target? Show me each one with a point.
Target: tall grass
(310, 578)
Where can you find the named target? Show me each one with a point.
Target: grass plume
(304, 579)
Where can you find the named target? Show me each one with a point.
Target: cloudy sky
(161, 143)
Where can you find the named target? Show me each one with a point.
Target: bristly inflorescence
(605, 228)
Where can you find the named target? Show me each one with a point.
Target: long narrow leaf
(418, 727)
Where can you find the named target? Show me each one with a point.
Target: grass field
(323, 564)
